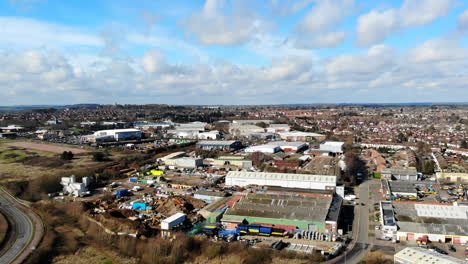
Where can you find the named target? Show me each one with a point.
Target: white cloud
(213, 26)
(154, 62)
(289, 7)
(423, 12)
(463, 20)
(326, 14)
(330, 39)
(438, 50)
(378, 58)
(375, 26)
(22, 32)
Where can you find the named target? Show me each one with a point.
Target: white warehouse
(117, 134)
(303, 181)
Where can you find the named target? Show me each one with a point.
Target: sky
(233, 51)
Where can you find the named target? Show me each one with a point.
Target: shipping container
(122, 193)
(172, 221)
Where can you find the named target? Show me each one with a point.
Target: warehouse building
(452, 177)
(184, 162)
(387, 219)
(251, 122)
(301, 136)
(302, 212)
(402, 174)
(417, 255)
(334, 147)
(209, 196)
(303, 181)
(273, 128)
(440, 222)
(266, 148)
(237, 161)
(150, 125)
(405, 189)
(245, 130)
(289, 146)
(116, 135)
(223, 145)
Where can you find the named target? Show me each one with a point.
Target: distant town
(301, 183)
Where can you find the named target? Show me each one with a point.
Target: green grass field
(11, 155)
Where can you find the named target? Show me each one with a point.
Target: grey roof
(217, 142)
(412, 220)
(421, 255)
(300, 208)
(437, 229)
(403, 187)
(283, 176)
(401, 171)
(335, 209)
(211, 193)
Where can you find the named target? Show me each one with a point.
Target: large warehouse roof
(283, 176)
(301, 208)
(421, 255)
(216, 142)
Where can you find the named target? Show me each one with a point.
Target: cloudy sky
(233, 51)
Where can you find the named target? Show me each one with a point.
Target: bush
(67, 155)
(99, 156)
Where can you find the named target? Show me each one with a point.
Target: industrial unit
(300, 136)
(452, 177)
(304, 212)
(209, 196)
(238, 161)
(335, 147)
(303, 181)
(403, 174)
(289, 146)
(219, 145)
(440, 222)
(116, 134)
(266, 148)
(416, 255)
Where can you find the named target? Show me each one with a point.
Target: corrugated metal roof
(283, 176)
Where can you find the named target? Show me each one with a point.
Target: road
(27, 230)
(360, 229)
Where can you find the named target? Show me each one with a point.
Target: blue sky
(233, 52)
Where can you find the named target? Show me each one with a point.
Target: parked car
(452, 248)
(441, 251)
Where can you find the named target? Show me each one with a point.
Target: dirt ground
(46, 147)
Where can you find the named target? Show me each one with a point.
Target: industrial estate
(263, 184)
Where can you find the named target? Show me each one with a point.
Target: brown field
(46, 147)
(3, 228)
(20, 164)
(90, 254)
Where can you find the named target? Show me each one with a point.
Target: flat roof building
(403, 174)
(452, 177)
(303, 212)
(117, 134)
(300, 136)
(332, 146)
(417, 255)
(219, 144)
(440, 222)
(303, 181)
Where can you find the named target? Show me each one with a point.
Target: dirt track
(46, 147)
